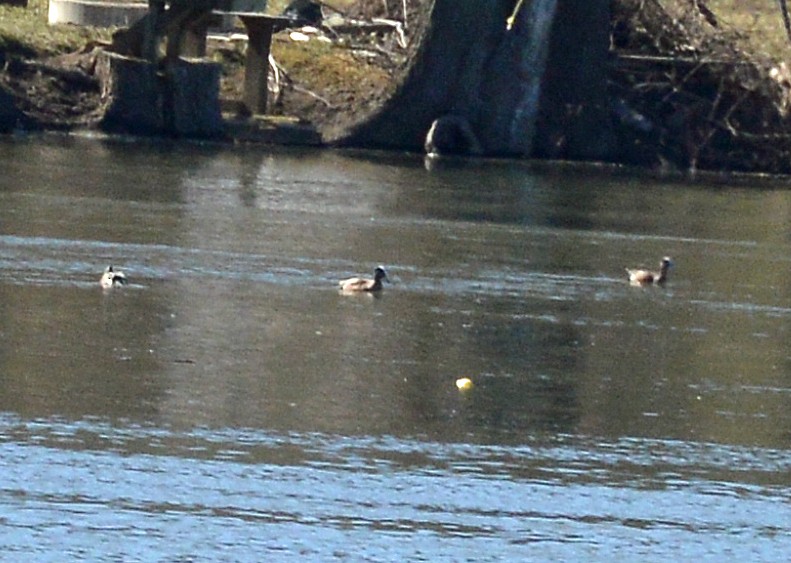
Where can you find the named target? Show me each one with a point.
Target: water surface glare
(230, 405)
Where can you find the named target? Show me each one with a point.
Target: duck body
(646, 277)
(354, 285)
(112, 278)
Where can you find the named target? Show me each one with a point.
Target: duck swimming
(365, 284)
(645, 277)
(112, 278)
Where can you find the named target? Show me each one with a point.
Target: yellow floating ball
(464, 383)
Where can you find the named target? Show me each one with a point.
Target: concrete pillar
(194, 95)
(256, 65)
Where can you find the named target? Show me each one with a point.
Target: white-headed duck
(365, 284)
(112, 278)
(645, 277)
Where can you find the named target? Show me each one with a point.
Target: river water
(230, 405)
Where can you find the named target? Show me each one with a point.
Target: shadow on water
(231, 360)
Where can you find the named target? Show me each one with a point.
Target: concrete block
(95, 13)
(195, 94)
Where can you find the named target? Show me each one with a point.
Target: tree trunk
(548, 71)
(574, 111)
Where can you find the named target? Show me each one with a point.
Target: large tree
(536, 88)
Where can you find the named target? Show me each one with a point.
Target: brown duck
(645, 277)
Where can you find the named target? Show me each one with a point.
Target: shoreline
(740, 179)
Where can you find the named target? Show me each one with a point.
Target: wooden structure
(260, 29)
(184, 25)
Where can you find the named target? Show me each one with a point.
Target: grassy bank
(326, 80)
(318, 67)
(758, 25)
(25, 32)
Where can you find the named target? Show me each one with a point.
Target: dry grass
(758, 25)
(338, 66)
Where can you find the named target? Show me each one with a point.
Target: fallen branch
(277, 74)
(313, 95)
(376, 25)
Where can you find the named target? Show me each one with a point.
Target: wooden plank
(186, 23)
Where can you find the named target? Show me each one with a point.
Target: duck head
(380, 274)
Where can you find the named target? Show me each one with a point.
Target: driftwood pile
(687, 97)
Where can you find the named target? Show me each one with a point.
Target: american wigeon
(112, 278)
(645, 277)
(365, 284)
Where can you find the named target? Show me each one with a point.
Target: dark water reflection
(230, 403)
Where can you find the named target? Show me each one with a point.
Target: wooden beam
(256, 65)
